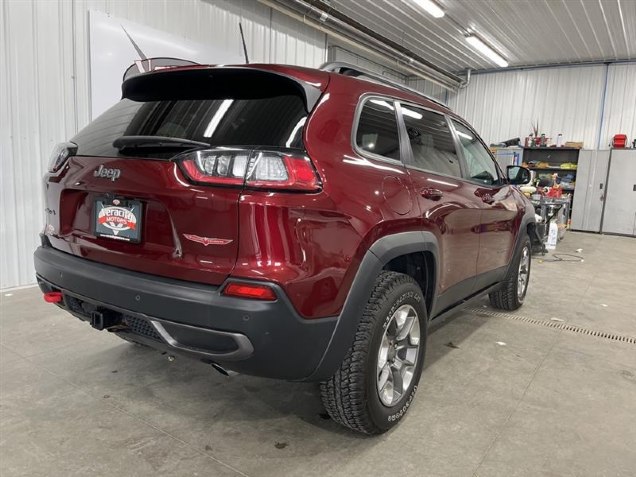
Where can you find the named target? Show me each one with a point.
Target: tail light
(250, 290)
(61, 152)
(258, 169)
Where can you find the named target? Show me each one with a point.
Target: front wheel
(513, 290)
(378, 377)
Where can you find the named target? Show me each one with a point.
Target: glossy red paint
(168, 204)
(309, 243)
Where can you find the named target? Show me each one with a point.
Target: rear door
(447, 204)
(130, 203)
(499, 217)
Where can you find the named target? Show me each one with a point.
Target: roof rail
(355, 71)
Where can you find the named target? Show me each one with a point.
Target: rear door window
(479, 163)
(377, 129)
(431, 140)
(271, 121)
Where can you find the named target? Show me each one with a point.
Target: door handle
(432, 194)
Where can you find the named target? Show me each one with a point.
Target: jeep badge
(106, 173)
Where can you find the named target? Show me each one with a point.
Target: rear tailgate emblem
(106, 173)
(207, 240)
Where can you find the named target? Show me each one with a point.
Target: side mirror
(518, 175)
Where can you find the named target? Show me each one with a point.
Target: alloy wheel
(524, 273)
(398, 355)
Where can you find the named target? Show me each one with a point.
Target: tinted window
(431, 141)
(378, 130)
(481, 167)
(276, 121)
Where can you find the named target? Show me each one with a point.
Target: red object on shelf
(620, 140)
(555, 192)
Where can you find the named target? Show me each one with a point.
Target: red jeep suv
(285, 222)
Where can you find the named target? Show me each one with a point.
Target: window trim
(409, 161)
(356, 121)
(458, 144)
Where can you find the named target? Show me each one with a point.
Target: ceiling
(525, 32)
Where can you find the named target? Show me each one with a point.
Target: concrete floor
(506, 398)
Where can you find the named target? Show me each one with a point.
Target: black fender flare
(377, 256)
(527, 219)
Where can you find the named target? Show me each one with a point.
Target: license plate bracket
(118, 219)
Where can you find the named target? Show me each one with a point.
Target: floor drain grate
(554, 324)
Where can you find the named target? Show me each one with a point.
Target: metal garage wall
(580, 102)
(44, 87)
(337, 53)
(563, 100)
(619, 115)
(429, 88)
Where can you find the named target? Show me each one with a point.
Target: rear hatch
(126, 198)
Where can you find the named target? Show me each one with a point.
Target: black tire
(508, 297)
(351, 395)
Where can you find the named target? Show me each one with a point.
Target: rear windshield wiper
(124, 142)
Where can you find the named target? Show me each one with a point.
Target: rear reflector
(256, 169)
(250, 290)
(53, 297)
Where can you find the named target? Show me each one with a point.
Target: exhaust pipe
(222, 370)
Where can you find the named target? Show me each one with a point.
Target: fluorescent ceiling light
(430, 7)
(485, 50)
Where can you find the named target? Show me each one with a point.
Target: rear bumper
(248, 336)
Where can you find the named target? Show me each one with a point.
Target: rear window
(272, 121)
(377, 130)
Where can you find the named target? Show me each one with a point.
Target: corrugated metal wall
(567, 100)
(620, 103)
(338, 53)
(45, 86)
(429, 88)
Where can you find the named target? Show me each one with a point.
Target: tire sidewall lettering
(399, 302)
(398, 415)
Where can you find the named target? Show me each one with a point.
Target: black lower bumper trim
(248, 336)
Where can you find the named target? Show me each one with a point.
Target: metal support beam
(380, 48)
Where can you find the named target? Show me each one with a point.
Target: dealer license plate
(118, 219)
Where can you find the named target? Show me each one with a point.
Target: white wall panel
(337, 53)
(620, 103)
(429, 88)
(294, 44)
(564, 100)
(45, 87)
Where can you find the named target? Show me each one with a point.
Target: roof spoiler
(221, 82)
(147, 65)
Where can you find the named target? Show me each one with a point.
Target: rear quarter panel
(312, 244)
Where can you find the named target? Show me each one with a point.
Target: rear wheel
(378, 377)
(514, 288)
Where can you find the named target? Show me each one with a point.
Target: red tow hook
(53, 297)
